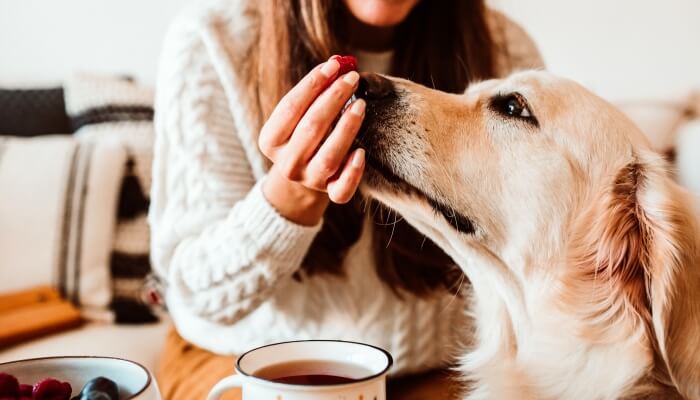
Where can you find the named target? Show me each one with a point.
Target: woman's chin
(381, 13)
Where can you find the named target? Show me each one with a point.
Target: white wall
(42, 41)
(620, 48)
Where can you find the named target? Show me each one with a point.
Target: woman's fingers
(315, 125)
(323, 112)
(343, 188)
(293, 106)
(292, 136)
(330, 156)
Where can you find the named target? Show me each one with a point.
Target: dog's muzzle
(384, 134)
(374, 87)
(381, 97)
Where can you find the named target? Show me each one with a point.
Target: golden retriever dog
(583, 254)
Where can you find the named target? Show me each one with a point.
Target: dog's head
(551, 180)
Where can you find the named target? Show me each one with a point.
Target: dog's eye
(513, 105)
(515, 108)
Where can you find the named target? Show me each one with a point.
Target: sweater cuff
(285, 240)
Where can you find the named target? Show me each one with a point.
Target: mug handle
(224, 385)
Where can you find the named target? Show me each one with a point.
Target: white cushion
(57, 215)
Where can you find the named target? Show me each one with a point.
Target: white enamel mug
(370, 386)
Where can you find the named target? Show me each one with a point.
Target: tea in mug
(312, 372)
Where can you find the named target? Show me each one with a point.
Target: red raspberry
(25, 390)
(9, 386)
(347, 64)
(51, 389)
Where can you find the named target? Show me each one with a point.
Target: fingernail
(358, 158)
(351, 78)
(330, 68)
(358, 107)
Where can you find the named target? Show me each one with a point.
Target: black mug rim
(390, 362)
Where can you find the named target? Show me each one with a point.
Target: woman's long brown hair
(443, 44)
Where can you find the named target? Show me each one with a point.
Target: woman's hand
(311, 163)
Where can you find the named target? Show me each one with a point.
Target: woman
(256, 226)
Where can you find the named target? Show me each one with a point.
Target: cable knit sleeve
(221, 247)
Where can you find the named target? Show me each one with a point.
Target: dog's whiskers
(393, 227)
(397, 219)
(460, 284)
(453, 188)
(464, 65)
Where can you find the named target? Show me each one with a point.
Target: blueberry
(99, 388)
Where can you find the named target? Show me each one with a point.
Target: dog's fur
(583, 254)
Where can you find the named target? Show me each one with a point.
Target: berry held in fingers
(347, 64)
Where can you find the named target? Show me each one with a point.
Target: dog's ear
(639, 242)
(673, 277)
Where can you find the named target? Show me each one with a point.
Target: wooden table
(437, 385)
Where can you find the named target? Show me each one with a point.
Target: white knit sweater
(226, 254)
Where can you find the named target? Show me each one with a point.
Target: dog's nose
(374, 87)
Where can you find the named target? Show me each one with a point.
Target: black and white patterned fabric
(120, 110)
(33, 112)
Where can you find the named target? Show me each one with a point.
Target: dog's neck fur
(526, 355)
(520, 354)
(517, 353)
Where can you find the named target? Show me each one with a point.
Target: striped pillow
(56, 217)
(119, 110)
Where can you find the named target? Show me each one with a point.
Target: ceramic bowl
(134, 380)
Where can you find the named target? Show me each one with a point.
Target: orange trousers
(187, 372)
